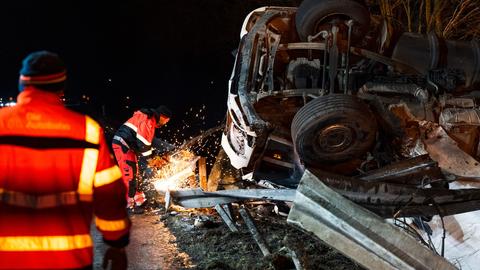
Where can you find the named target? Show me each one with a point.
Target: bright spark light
(172, 175)
(173, 182)
(179, 172)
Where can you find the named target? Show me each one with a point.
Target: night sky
(177, 53)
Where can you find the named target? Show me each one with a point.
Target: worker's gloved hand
(116, 257)
(132, 188)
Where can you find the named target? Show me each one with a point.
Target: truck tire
(313, 13)
(333, 129)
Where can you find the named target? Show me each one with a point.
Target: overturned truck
(388, 121)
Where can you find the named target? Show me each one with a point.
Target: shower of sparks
(175, 173)
(194, 123)
(179, 171)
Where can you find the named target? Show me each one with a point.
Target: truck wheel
(312, 14)
(332, 129)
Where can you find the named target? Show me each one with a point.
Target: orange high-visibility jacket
(56, 175)
(138, 133)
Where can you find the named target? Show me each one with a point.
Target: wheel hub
(335, 138)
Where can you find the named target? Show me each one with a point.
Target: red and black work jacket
(56, 175)
(137, 133)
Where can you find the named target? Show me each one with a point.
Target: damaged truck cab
(280, 68)
(324, 88)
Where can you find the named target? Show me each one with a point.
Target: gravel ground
(176, 241)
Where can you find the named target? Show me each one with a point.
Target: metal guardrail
(197, 198)
(356, 232)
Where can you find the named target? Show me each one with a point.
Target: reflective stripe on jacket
(56, 174)
(138, 132)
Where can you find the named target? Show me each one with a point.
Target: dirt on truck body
(390, 118)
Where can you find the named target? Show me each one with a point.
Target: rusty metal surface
(449, 156)
(408, 168)
(244, 79)
(356, 232)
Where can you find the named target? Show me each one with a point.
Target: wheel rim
(335, 138)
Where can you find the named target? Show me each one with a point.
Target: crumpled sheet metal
(434, 140)
(390, 199)
(411, 145)
(446, 152)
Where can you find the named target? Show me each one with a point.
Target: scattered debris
(204, 222)
(219, 248)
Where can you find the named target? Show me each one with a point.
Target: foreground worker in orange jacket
(134, 138)
(56, 175)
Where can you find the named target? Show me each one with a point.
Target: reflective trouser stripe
(40, 201)
(111, 225)
(45, 243)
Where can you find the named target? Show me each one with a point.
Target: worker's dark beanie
(45, 70)
(163, 110)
